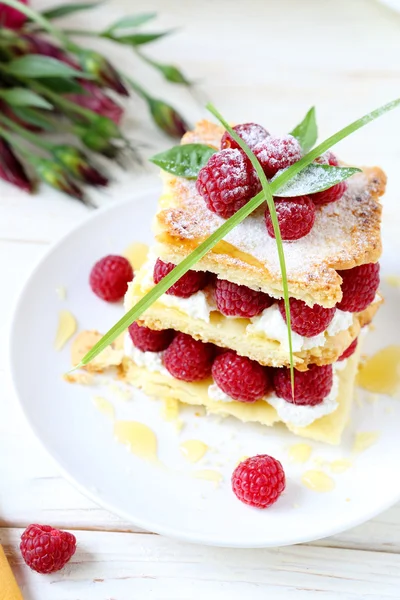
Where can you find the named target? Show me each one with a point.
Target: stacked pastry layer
(346, 234)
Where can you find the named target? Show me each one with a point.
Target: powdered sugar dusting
(343, 234)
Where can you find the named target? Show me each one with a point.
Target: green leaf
(169, 72)
(131, 21)
(67, 9)
(315, 178)
(307, 132)
(187, 263)
(24, 97)
(33, 117)
(184, 160)
(63, 86)
(137, 39)
(34, 66)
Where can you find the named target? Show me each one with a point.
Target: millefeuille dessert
(218, 337)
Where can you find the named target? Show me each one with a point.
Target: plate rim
(143, 523)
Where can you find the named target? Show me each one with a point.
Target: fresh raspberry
(227, 182)
(359, 287)
(110, 276)
(45, 549)
(239, 377)
(276, 153)
(190, 283)
(330, 195)
(305, 320)
(150, 340)
(296, 217)
(349, 350)
(259, 481)
(310, 387)
(188, 359)
(328, 158)
(238, 300)
(251, 133)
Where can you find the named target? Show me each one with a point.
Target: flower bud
(104, 73)
(97, 101)
(11, 169)
(96, 142)
(54, 175)
(167, 118)
(33, 44)
(78, 165)
(11, 17)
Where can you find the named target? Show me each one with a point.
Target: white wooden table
(265, 61)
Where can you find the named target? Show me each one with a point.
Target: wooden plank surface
(262, 60)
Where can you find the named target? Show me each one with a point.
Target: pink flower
(11, 17)
(11, 169)
(98, 101)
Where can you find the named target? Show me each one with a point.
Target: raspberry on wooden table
(276, 153)
(310, 387)
(296, 217)
(251, 133)
(45, 549)
(305, 320)
(359, 287)
(189, 359)
(259, 481)
(349, 350)
(150, 340)
(238, 300)
(190, 283)
(240, 377)
(110, 276)
(227, 182)
(332, 194)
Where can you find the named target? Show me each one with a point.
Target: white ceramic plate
(170, 501)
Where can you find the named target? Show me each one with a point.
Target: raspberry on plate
(238, 300)
(240, 377)
(190, 283)
(251, 133)
(276, 153)
(227, 182)
(110, 276)
(296, 217)
(359, 287)
(310, 387)
(188, 359)
(332, 194)
(45, 549)
(305, 320)
(150, 340)
(259, 481)
(349, 350)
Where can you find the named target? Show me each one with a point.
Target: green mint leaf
(137, 39)
(187, 263)
(67, 9)
(24, 97)
(184, 160)
(34, 66)
(63, 86)
(131, 21)
(315, 178)
(306, 132)
(33, 117)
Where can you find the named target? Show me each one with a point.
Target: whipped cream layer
(299, 416)
(269, 323)
(295, 414)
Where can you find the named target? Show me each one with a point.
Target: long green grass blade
(187, 263)
(275, 224)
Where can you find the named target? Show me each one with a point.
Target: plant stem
(63, 102)
(15, 143)
(37, 18)
(31, 137)
(84, 32)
